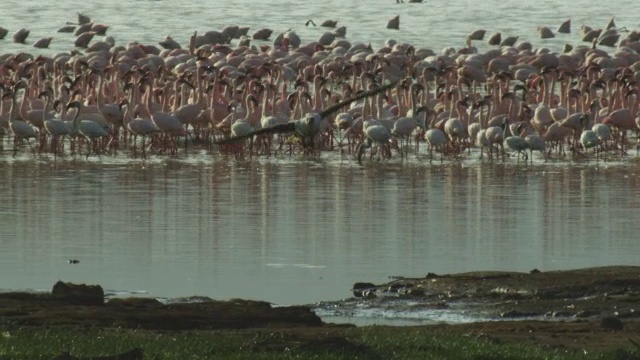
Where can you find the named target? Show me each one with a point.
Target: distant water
(433, 24)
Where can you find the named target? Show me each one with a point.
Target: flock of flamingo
(327, 95)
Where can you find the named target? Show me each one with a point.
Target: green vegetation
(304, 343)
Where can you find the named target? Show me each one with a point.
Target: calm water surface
(299, 231)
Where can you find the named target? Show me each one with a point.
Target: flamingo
(516, 143)
(589, 138)
(138, 126)
(436, 139)
(534, 141)
(188, 112)
(90, 130)
(454, 127)
(55, 127)
(404, 126)
(623, 120)
(111, 111)
(565, 27)
(378, 134)
(43, 43)
(241, 127)
(168, 123)
(265, 119)
(20, 129)
(556, 134)
(495, 136)
(483, 142)
(20, 36)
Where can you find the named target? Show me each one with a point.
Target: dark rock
(535, 271)
(78, 294)
(141, 303)
(362, 289)
(612, 323)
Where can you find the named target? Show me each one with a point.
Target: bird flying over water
(307, 127)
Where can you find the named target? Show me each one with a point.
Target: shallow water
(294, 231)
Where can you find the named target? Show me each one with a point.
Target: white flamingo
(20, 129)
(436, 139)
(589, 138)
(378, 134)
(90, 130)
(516, 143)
(56, 128)
(138, 126)
(405, 126)
(168, 123)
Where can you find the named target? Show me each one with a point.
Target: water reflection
(299, 232)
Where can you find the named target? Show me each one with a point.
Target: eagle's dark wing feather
(338, 106)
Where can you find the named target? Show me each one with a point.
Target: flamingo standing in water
(378, 134)
(588, 138)
(90, 130)
(436, 139)
(56, 128)
(405, 126)
(623, 120)
(169, 124)
(515, 142)
(20, 129)
(138, 126)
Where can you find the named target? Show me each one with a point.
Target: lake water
(296, 231)
(432, 24)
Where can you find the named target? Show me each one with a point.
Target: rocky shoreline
(84, 305)
(585, 294)
(590, 308)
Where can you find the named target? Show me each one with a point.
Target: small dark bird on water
(74, 261)
(309, 126)
(3, 32)
(394, 23)
(565, 27)
(329, 23)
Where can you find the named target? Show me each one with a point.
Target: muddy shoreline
(595, 307)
